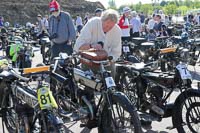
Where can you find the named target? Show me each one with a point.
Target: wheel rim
(193, 117)
(186, 110)
(121, 120)
(129, 89)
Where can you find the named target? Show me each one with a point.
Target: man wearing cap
(124, 24)
(61, 30)
(98, 12)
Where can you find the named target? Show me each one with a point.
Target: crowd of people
(91, 29)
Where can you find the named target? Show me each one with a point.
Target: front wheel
(186, 117)
(9, 117)
(117, 119)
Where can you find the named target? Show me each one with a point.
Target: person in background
(164, 31)
(151, 35)
(158, 25)
(40, 26)
(124, 24)
(167, 22)
(161, 13)
(142, 17)
(146, 21)
(45, 22)
(98, 12)
(197, 18)
(151, 23)
(190, 18)
(1, 22)
(136, 25)
(79, 23)
(87, 17)
(61, 30)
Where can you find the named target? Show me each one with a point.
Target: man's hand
(88, 46)
(85, 47)
(69, 42)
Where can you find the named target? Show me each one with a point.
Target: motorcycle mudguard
(53, 119)
(123, 100)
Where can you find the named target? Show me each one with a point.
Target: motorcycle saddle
(88, 56)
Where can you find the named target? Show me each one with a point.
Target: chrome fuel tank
(87, 79)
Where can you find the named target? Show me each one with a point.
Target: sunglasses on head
(52, 9)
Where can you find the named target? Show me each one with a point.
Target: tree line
(169, 7)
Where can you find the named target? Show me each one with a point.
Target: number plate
(126, 49)
(185, 74)
(110, 82)
(46, 99)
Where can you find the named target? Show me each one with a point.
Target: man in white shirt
(136, 25)
(151, 23)
(101, 29)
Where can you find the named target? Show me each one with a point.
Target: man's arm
(116, 45)
(84, 37)
(71, 27)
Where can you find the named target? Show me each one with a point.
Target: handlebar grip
(55, 66)
(19, 76)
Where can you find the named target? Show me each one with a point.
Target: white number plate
(185, 74)
(110, 82)
(126, 49)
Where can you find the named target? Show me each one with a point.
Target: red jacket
(121, 23)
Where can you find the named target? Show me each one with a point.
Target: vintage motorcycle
(91, 98)
(150, 92)
(24, 109)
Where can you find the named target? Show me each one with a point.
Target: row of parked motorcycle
(147, 75)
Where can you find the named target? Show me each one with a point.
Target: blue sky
(122, 2)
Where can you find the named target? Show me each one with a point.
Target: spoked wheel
(193, 117)
(63, 105)
(119, 120)
(186, 115)
(10, 117)
(129, 87)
